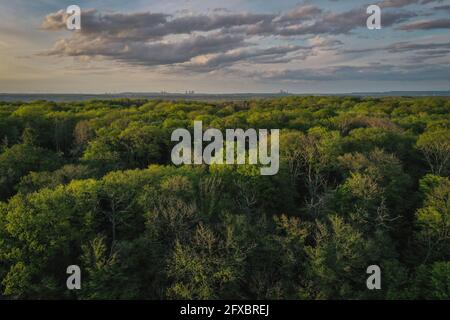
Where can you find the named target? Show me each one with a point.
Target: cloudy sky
(303, 46)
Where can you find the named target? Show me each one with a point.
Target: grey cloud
(396, 3)
(140, 38)
(403, 47)
(409, 46)
(401, 3)
(342, 23)
(371, 73)
(426, 25)
(423, 56)
(431, 1)
(417, 52)
(268, 55)
(55, 21)
(302, 12)
(445, 8)
(156, 53)
(121, 25)
(205, 41)
(304, 19)
(151, 25)
(178, 52)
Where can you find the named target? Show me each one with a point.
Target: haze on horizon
(224, 47)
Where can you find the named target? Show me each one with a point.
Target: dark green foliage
(362, 181)
(19, 160)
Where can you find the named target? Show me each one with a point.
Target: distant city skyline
(233, 46)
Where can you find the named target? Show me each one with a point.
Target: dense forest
(362, 181)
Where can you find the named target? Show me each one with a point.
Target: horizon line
(193, 93)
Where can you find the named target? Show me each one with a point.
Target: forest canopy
(362, 181)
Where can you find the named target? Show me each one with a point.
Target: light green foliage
(433, 219)
(362, 181)
(337, 260)
(435, 145)
(20, 159)
(433, 281)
